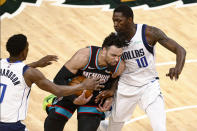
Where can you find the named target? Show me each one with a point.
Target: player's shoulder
(29, 71)
(80, 58)
(83, 53)
(153, 33)
(151, 29)
(119, 69)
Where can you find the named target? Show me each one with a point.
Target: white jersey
(14, 91)
(139, 59)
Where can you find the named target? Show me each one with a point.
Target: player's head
(17, 46)
(112, 48)
(122, 18)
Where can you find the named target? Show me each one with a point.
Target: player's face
(113, 55)
(121, 22)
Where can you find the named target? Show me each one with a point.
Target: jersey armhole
(25, 68)
(90, 56)
(148, 47)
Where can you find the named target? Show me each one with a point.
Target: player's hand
(92, 84)
(106, 106)
(173, 73)
(82, 100)
(104, 94)
(47, 60)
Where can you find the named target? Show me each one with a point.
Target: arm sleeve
(62, 78)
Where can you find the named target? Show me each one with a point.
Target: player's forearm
(115, 85)
(59, 90)
(62, 76)
(180, 58)
(70, 90)
(67, 90)
(33, 65)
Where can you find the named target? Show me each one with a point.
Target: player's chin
(113, 63)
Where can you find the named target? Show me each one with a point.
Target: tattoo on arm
(159, 35)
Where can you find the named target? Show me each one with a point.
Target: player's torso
(14, 91)
(92, 69)
(139, 59)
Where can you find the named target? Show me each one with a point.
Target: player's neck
(131, 32)
(101, 59)
(14, 59)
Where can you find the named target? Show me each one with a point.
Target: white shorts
(127, 97)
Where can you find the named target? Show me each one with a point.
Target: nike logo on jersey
(107, 71)
(91, 68)
(136, 42)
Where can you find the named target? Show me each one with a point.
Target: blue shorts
(15, 126)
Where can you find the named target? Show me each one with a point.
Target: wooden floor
(62, 31)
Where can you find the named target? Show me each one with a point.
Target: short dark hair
(125, 10)
(16, 44)
(116, 40)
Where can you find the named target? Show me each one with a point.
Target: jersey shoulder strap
(92, 57)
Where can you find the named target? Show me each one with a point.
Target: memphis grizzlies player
(139, 82)
(100, 62)
(17, 78)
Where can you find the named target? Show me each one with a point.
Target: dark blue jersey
(93, 69)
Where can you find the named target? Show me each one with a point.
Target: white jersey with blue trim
(14, 91)
(139, 58)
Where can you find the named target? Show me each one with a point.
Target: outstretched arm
(156, 35)
(44, 61)
(33, 75)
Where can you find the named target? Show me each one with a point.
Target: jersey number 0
(3, 89)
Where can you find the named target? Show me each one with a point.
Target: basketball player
(17, 78)
(99, 62)
(139, 83)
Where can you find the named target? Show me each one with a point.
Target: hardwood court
(62, 31)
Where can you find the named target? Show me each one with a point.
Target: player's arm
(45, 61)
(154, 35)
(33, 75)
(116, 76)
(78, 61)
(106, 96)
(114, 83)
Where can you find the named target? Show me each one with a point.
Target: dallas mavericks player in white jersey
(12, 81)
(139, 82)
(17, 78)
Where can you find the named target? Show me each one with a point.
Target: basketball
(2, 2)
(78, 80)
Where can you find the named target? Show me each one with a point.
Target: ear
(104, 50)
(130, 20)
(22, 54)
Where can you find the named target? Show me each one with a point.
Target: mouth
(114, 63)
(117, 29)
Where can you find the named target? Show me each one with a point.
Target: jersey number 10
(142, 62)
